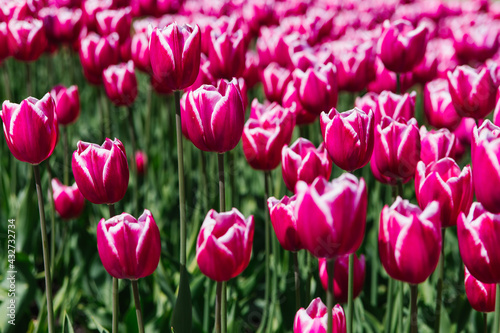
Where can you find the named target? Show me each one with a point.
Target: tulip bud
(478, 243)
(356, 67)
(62, 25)
(129, 248)
(314, 319)
(473, 94)
(436, 145)
(438, 107)
(120, 83)
(291, 101)
(224, 245)
(284, 222)
(214, 117)
(114, 20)
(251, 72)
(227, 54)
(68, 200)
(275, 80)
(101, 172)
(175, 54)
(265, 135)
(395, 106)
(30, 128)
(367, 103)
(141, 162)
(409, 240)
(97, 53)
(331, 216)
(401, 47)
(481, 295)
(90, 9)
(140, 52)
(348, 137)
(67, 102)
(26, 39)
(341, 276)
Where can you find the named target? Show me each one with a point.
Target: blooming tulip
(438, 108)
(227, 54)
(395, 106)
(30, 128)
(409, 240)
(275, 80)
(68, 200)
(478, 243)
(387, 80)
(26, 39)
(367, 103)
(129, 248)
(341, 276)
(314, 318)
(175, 55)
(101, 172)
(284, 222)
(139, 49)
(473, 93)
(356, 68)
(120, 83)
(436, 145)
(348, 137)
(291, 100)
(331, 216)
(114, 20)
(96, 54)
(481, 295)
(214, 117)
(62, 25)
(67, 102)
(224, 244)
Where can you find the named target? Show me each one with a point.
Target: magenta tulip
(101, 172)
(129, 248)
(97, 53)
(175, 55)
(90, 9)
(341, 276)
(62, 25)
(331, 216)
(314, 319)
(438, 108)
(67, 102)
(348, 137)
(26, 39)
(275, 80)
(356, 68)
(481, 295)
(120, 83)
(291, 101)
(395, 106)
(224, 245)
(141, 162)
(30, 128)
(226, 53)
(436, 144)
(68, 200)
(409, 240)
(284, 222)
(139, 50)
(367, 103)
(114, 20)
(4, 35)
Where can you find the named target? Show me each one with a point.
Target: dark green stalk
(137, 302)
(439, 298)
(350, 301)
(6, 83)
(112, 213)
(496, 322)
(297, 280)
(29, 87)
(66, 155)
(147, 129)
(223, 308)
(52, 222)
(329, 295)
(218, 302)
(204, 182)
(134, 151)
(413, 308)
(206, 305)
(398, 83)
(263, 323)
(107, 115)
(222, 188)
(232, 181)
(485, 322)
(388, 317)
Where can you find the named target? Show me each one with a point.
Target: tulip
(120, 83)
(214, 117)
(317, 88)
(30, 128)
(438, 108)
(481, 295)
(129, 248)
(224, 244)
(478, 240)
(273, 46)
(436, 145)
(96, 54)
(101, 172)
(26, 39)
(395, 106)
(463, 135)
(4, 35)
(284, 222)
(314, 318)
(67, 102)
(473, 93)
(409, 240)
(175, 55)
(340, 278)
(264, 136)
(291, 101)
(114, 20)
(68, 200)
(387, 80)
(251, 72)
(139, 49)
(141, 162)
(356, 68)
(62, 25)
(367, 103)
(227, 54)
(426, 70)
(348, 137)
(396, 149)
(90, 9)
(331, 216)
(401, 47)
(275, 80)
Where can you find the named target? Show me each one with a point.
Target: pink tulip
(224, 245)
(251, 72)
(284, 222)
(275, 80)
(302, 161)
(215, 116)
(120, 83)
(4, 35)
(227, 54)
(141, 162)
(401, 47)
(463, 135)
(175, 55)
(481, 295)
(26, 39)
(139, 48)
(331, 216)
(101, 172)
(409, 240)
(272, 46)
(67, 102)
(90, 9)
(96, 54)
(314, 319)
(367, 103)
(291, 101)
(62, 25)
(348, 137)
(129, 248)
(356, 68)
(436, 145)
(395, 106)
(30, 128)
(473, 93)
(341, 276)
(115, 20)
(68, 200)
(478, 243)
(387, 80)
(438, 107)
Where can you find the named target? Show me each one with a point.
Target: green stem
(66, 155)
(180, 168)
(206, 305)
(400, 310)
(45, 249)
(134, 151)
(204, 183)
(413, 308)
(107, 115)
(232, 183)
(222, 188)
(388, 315)
(147, 130)
(6, 83)
(29, 89)
(267, 226)
(223, 310)
(297, 280)
(439, 298)
(329, 295)
(52, 221)
(350, 301)
(137, 302)
(496, 322)
(275, 261)
(398, 83)
(112, 213)
(218, 302)
(485, 322)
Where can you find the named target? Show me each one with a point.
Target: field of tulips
(250, 166)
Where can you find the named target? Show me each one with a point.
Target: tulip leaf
(182, 315)
(67, 327)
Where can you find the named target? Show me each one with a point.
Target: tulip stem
(413, 308)
(398, 83)
(180, 167)
(388, 317)
(29, 90)
(329, 295)
(134, 151)
(137, 302)
(112, 213)
(232, 182)
(223, 310)
(267, 258)
(297, 280)
(66, 155)
(439, 298)
(45, 249)
(222, 188)
(496, 322)
(350, 293)
(485, 322)
(204, 183)
(218, 301)
(52, 221)
(6, 82)
(105, 110)
(147, 126)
